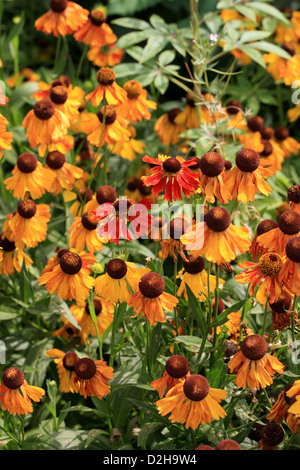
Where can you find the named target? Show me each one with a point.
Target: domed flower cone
(228, 444)
(64, 17)
(247, 177)
(16, 394)
(253, 365)
(276, 239)
(65, 364)
(95, 31)
(177, 369)
(221, 240)
(112, 285)
(92, 377)
(173, 175)
(264, 274)
(67, 100)
(282, 311)
(271, 436)
(192, 402)
(29, 175)
(294, 198)
(150, 300)
(69, 280)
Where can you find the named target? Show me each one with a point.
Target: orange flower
(151, 301)
(64, 174)
(192, 402)
(24, 75)
(12, 257)
(106, 56)
(45, 125)
(95, 31)
(112, 285)
(136, 107)
(92, 377)
(70, 279)
(29, 175)
(284, 69)
(211, 178)
(293, 196)
(44, 89)
(105, 126)
(263, 227)
(290, 273)
(83, 233)
(276, 239)
(5, 137)
(130, 148)
(64, 17)
(244, 180)
(288, 144)
(104, 312)
(280, 411)
(220, 241)
(16, 394)
(29, 223)
(265, 273)
(177, 369)
(189, 116)
(107, 89)
(167, 129)
(253, 365)
(67, 100)
(65, 364)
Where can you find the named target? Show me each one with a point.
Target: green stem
(57, 53)
(83, 55)
(94, 318)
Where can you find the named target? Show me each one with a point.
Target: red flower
(172, 174)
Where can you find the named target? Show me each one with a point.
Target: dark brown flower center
(268, 148)
(247, 160)
(196, 387)
(218, 219)
(107, 114)
(221, 306)
(87, 223)
(194, 266)
(272, 434)
(116, 268)
(227, 444)
(281, 133)
(85, 368)
(233, 107)
(212, 164)
(177, 366)
(6, 244)
(270, 264)
(151, 285)
(133, 89)
(254, 347)
(292, 249)
(13, 378)
(59, 95)
(55, 160)
(267, 133)
(106, 76)
(228, 165)
(121, 206)
(105, 194)
(172, 165)
(44, 109)
(289, 222)
(97, 307)
(84, 195)
(69, 360)
(97, 17)
(143, 189)
(172, 114)
(62, 252)
(283, 303)
(27, 208)
(294, 193)
(58, 6)
(265, 226)
(256, 123)
(27, 162)
(177, 227)
(70, 263)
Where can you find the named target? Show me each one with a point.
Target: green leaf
(250, 36)
(247, 12)
(217, 374)
(166, 57)
(132, 38)
(197, 311)
(155, 344)
(269, 10)
(222, 318)
(15, 30)
(158, 23)
(131, 23)
(254, 54)
(269, 47)
(7, 313)
(146, 431)
(161, 82)
(154, 46)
